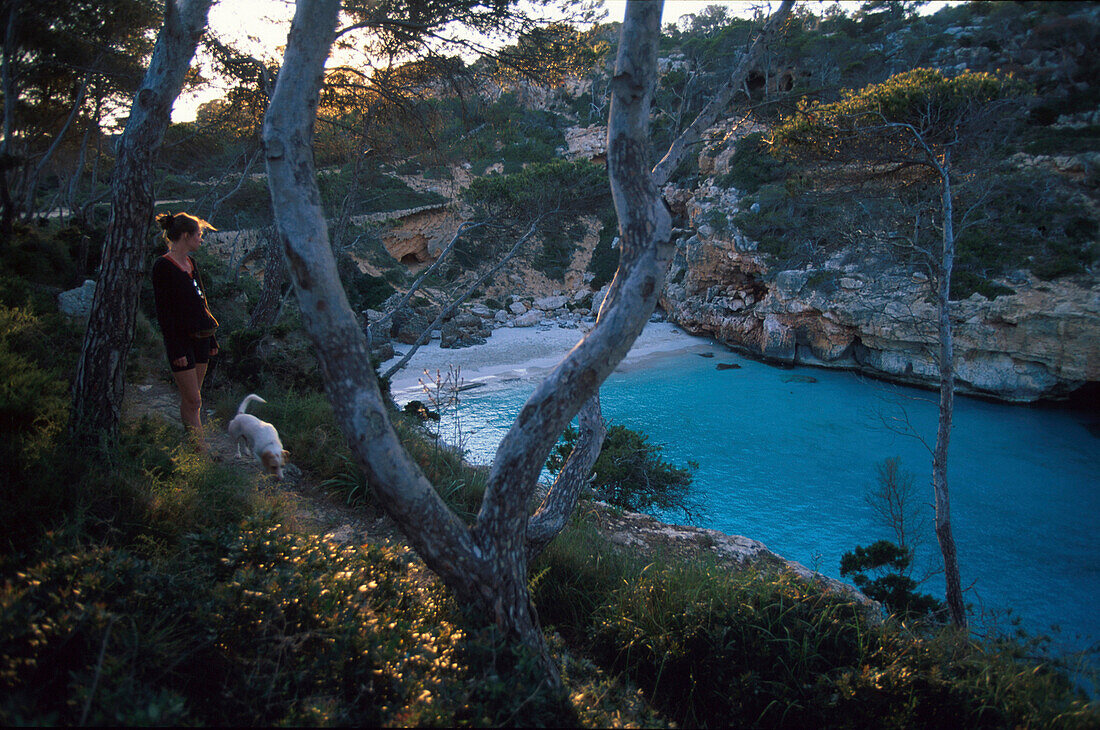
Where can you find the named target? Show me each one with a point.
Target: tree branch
(449, 309)
(645, 226)
(554, 512)
(420, 280)
(676, 152)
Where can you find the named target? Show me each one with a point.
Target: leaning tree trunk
(947, 407)
(485, 566)
(98, 384)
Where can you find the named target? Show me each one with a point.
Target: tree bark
(275, 282)
(554, 512)
(947, 405)
(7, 217)
(98, 385)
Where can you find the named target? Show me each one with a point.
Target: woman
(184, 316)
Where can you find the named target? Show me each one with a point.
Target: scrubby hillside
(148, 584)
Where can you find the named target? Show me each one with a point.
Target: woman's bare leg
(189, 383)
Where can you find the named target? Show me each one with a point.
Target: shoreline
(526, 353)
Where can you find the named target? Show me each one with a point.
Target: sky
(262, 25)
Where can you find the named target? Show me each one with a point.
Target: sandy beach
(525, 352)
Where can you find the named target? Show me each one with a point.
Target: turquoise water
(788, 462)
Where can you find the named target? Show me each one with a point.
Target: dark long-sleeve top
(181, 305)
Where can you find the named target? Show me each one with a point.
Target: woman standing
(184, 316)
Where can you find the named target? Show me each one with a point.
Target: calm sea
(787, 456)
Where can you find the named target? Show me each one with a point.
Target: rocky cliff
(1043, 342)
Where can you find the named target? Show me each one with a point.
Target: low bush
(630, 473)
(881, 571)
(363, 290)
(752, 165)
(711, 647)
(250, 626)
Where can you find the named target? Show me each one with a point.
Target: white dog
(260, 438)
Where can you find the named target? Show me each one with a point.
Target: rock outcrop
(77, 303)
(861, 313)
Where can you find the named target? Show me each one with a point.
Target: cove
(786, 457)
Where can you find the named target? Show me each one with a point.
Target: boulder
(408, 324)
(481, 310)
(548, 304)
(465, 330)
(77, 303)
(529, 319)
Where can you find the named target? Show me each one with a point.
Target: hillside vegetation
(152, 585)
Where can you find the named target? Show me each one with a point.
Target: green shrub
(252, 625)
(629, 472)
(752, 165)
(605, 260)
(248, 207)
(369, 190)
(262, 358)
(712, 649)
(560, 191)
(35, 352)
(38, 255)
(965, 283)
(881, 571)
(363, 290)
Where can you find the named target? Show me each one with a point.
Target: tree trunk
(485, 566)
(7, 150)
(98, 385)
(947, 407)
(275, 282)
(554, 512)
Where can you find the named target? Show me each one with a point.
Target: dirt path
(311, 508)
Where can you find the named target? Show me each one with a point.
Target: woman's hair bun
(165, 221)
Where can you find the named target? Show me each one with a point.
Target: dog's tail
(248, 399)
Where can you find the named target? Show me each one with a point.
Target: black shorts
(197, 351)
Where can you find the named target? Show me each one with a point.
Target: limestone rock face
(551, 303)
(589, 143)
(419, 236)
(855, 312)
